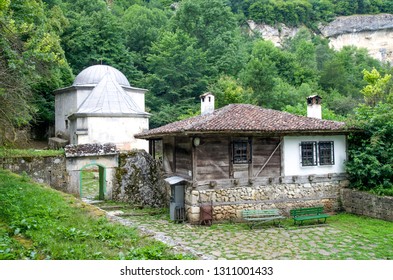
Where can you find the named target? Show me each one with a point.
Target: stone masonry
(49, 170)
(367, 204)
(228, 203)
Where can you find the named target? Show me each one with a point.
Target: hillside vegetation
(180, 50)
(37, 222)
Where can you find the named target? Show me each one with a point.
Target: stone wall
(49, 170)
(140, 180)
(229, 202)
(363, 203)
(133, 177)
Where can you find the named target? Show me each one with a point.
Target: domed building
(101, 107)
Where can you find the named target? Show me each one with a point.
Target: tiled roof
(245, 118)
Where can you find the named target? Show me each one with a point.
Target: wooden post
(250, 162)
(230, 152)
(194, 162)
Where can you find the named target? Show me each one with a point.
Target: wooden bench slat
(310, 213)
(261, 215)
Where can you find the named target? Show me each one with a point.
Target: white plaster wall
(65, 104)
(117, 130)
(138, 97)
(292, 160)
(82, 94)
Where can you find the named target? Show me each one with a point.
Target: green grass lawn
(5, 152)
(37, 222)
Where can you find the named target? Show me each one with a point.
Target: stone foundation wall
(229, 202)
(49, 170)
(363, 203)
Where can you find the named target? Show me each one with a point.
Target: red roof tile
(235, 118)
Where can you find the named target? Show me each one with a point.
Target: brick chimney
(314, 108)
(207, 103)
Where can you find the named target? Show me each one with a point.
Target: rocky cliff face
(373, 32)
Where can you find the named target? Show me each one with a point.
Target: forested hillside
(178, 51)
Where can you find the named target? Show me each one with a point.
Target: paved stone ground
(239, 242)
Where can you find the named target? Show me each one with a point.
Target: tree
(215, 29)
(267, 65)
(95, 36)
(32, 63)
(370, 163)
(377, 88)
(305, 59)
(344, 71)
(142, 26)
(178, 73)
(178, 68)
(227, 90)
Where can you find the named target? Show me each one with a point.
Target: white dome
(94, 74)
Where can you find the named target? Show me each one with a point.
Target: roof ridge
(247, 117)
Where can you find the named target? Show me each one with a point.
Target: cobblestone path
(237, 241)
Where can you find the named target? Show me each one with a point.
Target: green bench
(310, 213)
(256, 216)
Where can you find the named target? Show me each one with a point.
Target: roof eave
(118, 115)
(244, 132)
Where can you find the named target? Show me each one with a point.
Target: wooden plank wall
(212, 157)
(262, 149)
(167, 154)
(183, 156)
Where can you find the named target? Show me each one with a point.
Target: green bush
(370, 163)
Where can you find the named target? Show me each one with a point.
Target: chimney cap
(314, 99)
(205, 94)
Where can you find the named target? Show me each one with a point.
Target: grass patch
(377, 233)
(40, 223)
(5, 152)
(90, 183)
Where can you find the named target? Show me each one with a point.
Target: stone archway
(79, 157)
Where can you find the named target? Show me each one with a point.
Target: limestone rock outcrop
(373, 32)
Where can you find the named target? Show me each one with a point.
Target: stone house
(101, 107)
(243, 156)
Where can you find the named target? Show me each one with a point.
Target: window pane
(240, 154)
(326, 153)
(308, 153)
